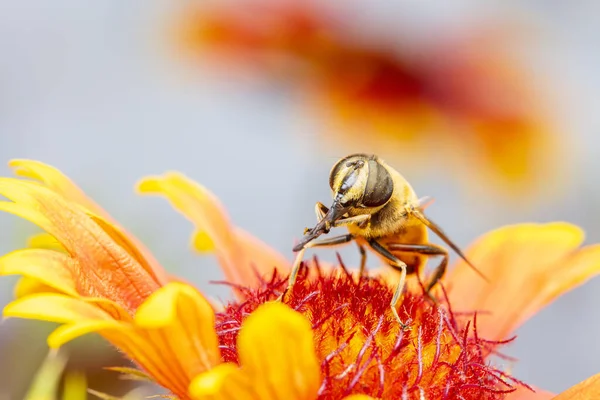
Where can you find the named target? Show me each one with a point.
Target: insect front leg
(320, 211)
(360, 220)
(329, 242)
(396, 262)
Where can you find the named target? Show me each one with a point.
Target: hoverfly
(382, 213)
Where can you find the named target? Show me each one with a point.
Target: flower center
(362, 348)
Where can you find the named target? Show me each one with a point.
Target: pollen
(363, 350)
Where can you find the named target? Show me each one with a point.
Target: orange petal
(103, 267)
(55, 180)
(273, 367)
(529, 265)
(134, 247)
(259, 256)
(239, 253)
(586, 390)
(526, 394)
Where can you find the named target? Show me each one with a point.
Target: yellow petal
(273, 367)
(212, 385)
(177, 325)
(586, 390)
(49, 267)
(104, 268)
(175, 310)
(202, 242)
(25, 212)
(55, 180)
(289, 358)
(239, 253)
(528, 265)
(54, 308)
(66, 333)
(44, 241)
(81, 316)
(26, 286)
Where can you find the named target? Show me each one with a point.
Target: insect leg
(430, 250)
(360, 220)
(442, 235)
(320, 211)
(332, 241)
(363, 260)
(396, 262)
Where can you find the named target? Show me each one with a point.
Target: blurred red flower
(463, 99)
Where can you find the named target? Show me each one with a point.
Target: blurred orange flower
(335, 339)
(462, 99)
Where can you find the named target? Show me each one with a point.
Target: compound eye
(379, 187)
(346, 162)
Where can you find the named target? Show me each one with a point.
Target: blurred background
(489, 108)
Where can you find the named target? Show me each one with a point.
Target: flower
(335, 338)
(463, 99)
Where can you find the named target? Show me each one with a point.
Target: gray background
(96, 90)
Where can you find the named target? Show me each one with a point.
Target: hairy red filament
(363, 350)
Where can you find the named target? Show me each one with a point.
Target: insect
(382, 213)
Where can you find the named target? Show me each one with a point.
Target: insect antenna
(425, 202)
(438, 231)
